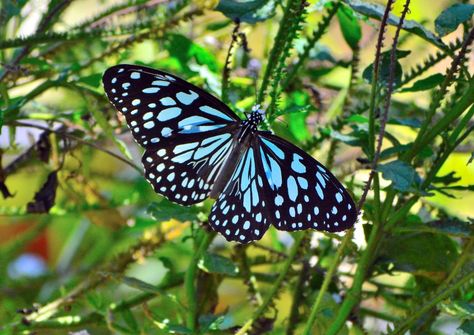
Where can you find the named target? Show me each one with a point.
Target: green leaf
(447, 179)
(400, 173)
(350, 27)
(213, 263)
(94, 80)
(109, 131)
(452, 17)
(425, 84)
(426, 254)
(250, 11)
(466, 328)
(130, 320)
(377, 11)
(166, 210)
(140, 285)
(184, 49)
(384, 69)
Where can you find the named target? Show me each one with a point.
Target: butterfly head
(257, 115)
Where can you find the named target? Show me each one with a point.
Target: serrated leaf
(250, 11)
(349, 25)
(452, 17)
(400, 173)
(425, 84)
(166, 210)
(447, 178)
(213, 263)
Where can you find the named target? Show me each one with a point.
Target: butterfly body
(196, 147)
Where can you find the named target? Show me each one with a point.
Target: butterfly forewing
(159, 106)
(299, 192)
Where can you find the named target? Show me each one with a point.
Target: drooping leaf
(349, 25)
(400, 173)
(93, 80)
(140, 285)
(452, 17)
(250, 11)
(166, 210)
(376, 11)
(213, 263)
(425, 84)
(427, 254)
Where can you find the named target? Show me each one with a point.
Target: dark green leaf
(447, 226)
(130, 320)
(414, 123)
(249, 11)
(140, 285)
(350, 27)
(93, 80)
(447, 179)
(376, 11)
(423, 254)
(213, 263)
(425, 84)
(166, 210)
(452, 17)
(384, 69)
(218, 25)
(400, 173)
(466, 328)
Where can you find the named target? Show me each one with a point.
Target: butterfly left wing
(299, 192)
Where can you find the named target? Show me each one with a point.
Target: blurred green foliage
(87, 246)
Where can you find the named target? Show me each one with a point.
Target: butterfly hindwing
(159, 106)
(184, 170)
(239, 212)
(300, 193)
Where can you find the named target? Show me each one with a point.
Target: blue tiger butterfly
(196, 147)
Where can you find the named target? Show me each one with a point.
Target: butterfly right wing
(185, 169)
(187, 133)
(159, 106)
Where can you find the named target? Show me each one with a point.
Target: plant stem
(286, 267)
(205, 239)
(353, 294)
(327, 280)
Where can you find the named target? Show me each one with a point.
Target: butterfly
(195, 147)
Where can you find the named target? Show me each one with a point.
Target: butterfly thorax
(250, 125)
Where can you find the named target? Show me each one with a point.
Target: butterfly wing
(299, 192)
(239, 213)
(159, 106)
(187, 133)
